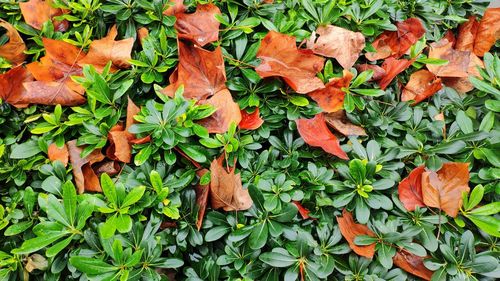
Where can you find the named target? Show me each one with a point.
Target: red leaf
(227, 112)
(315, 133)
(410, 189)
(176, 6)
(350, 230)
(37, 12)
(458, 61)
(412, 264)
(200, 27)
(393, 67)
(85, 177)
(56, 153)
(304, 213)
(202, 191)
(280, 57)
(422, 85)
(11, 85)
(250, 121)
(378, 72)
(13, 50)
(488, 31)
(331, 98)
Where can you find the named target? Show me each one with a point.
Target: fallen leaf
(108, 49)
(250, 121)
(226, 190)
(466, 35)
(410, 190)
(175, 6)
(58, 153)
(378, 72)
(450, 36)
(443, 189)
(36, 261)
(350, 230)
(392, 68)
(37, 12)
(339, 121)
(331, 97)
(463, 84)
(13, 50)
(315, 133)
(120, 147)
(280, 57)
(304, 213)
(142, 33)
(201, 72)
(412, 264)
(422, 85)
(458, 61)
(200, 27)
(202, 191)
(339, 43)
(11, 85)
(397, 43)
(84, 176)
(488, 31)
(109, 167)
(440, 117)
(227, 112)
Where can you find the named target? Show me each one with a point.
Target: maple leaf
(280, 57)
(350, 230)
(201, 72)
(331, 98)
(85, 177)
(412, 264)
(120, 138)
(250, 121)
(13, 50)
(443, 189)
(202, 191)
(378, 72)
(488, 31)
(227, 112)
(410, 189)
(392, 68)
(11, 85)
(422, 85)
(338, 121)
(458, 61)
(200, 27)
(37, 12)
(108, 49)
(315, 133)
(397, 43)
(339, 43)
(58, 153)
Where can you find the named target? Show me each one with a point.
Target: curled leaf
(422, 85)
(85, 177)
(392, 68)
(412, 264)
(350, 230)
(250, 121)
(200, 27)
(37, 12)
(488, 31)
(227, 112)
(339, 121)
(331, 98)
(13, 50)
(56, 153)
(410, 189)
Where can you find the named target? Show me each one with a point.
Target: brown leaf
(11, 85)
(397, 43)
(200, 27)
(350, 230)
(458, 61)
(226, 190)
(331, 98)
(107, 49)
(56, 153)
(120, 147)
(410, 189)
(339, 121)
(227, 112)
(392, 68)
(444, 189)
(412, 264)
(36, 261)
(466, 35)
(315, 133)
(13, 50)
(250, 121)
(462, 84)
(85, 177)
(280, 57)
(142, 33)
(202, 191)
(37, 12)
(378, 72)
(109, 167)
(304, 213)
(488, 31)
(200, 71)
(175, 6)
(422, 85)
(339, 43)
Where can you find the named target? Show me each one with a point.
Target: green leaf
(194, 152)
(362, 78)
(24, 150)
(91, 266)
(488, 224)
(38, 243)
(156, 181)
(58, 247)
(108, 188)
(299, 100)
(464, 122)
(134, 195)
(475, 197)
(276, 259)
(484, 86)
(108, 228)
(69, 201)
(123, 223)
(486, 210)
(258, 236)
(17, 228)
(369, 92)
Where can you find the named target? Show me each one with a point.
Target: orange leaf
(202, 191)
(227, 112)
(250, 121)
(304, 213)
(339, 43)
(315, 133)
(142, 33)
(56, 153)
(350, 230)
(488, 31)
(410, 189)
(11, 85)
(280, 57)
(462, 84)
(200, 27)
(176, 6)
(120, 138)
(107, 49)
(444, 189)
(37, 12)
(378, 72)
(392, 68)
(13, 50)
(422, 85)
(466, 35)
(412, 264)
(331, 98)
(458, 61)
(200, 71)
(338, 121)
(85, 177)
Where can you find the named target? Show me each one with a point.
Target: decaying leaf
(85, 177)
(458, 61)
(142, 33)
(120, 147)
(250, 121)
(378, 72)
(175, 6)
(280, 57)
(227, 112)
(339, 121)
(109, 167)
(392, 68)
(466, 35)
(410, 190)
(11, 85)
(339, 43)
(331, 98)
(13, 50)
(443, 189)
(36, 261)
(200, 27)
(350, 230)
(200, 71)
(488, 31)
(108, 49)
(202, 191)
(422, 85)
(58, 153)
(315, 133)
(412, 264)
(37, 12)
(226, 190)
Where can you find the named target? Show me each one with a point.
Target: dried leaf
(37, 12)
(339, 43)
(412, 264)
(109, 167)
(120, 147)
(13, 50)
(227, 112)
(410, 189)
(488, 31)
(339, 121)
(350, 230)
(315, 133)
(462, 84)
(466, 35)
(200, 27)
(36, 261)
(444, 189)
(56, 153)
(392, 68)
(11, 85)
(200, 71)
(142, 33)
(250, 121)
(422, 85)
(85, 177)
(176, 6)
(304, 213)
(280, 57)
(331, 98)
(458, 61)
(202, 191)
(378, 72)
